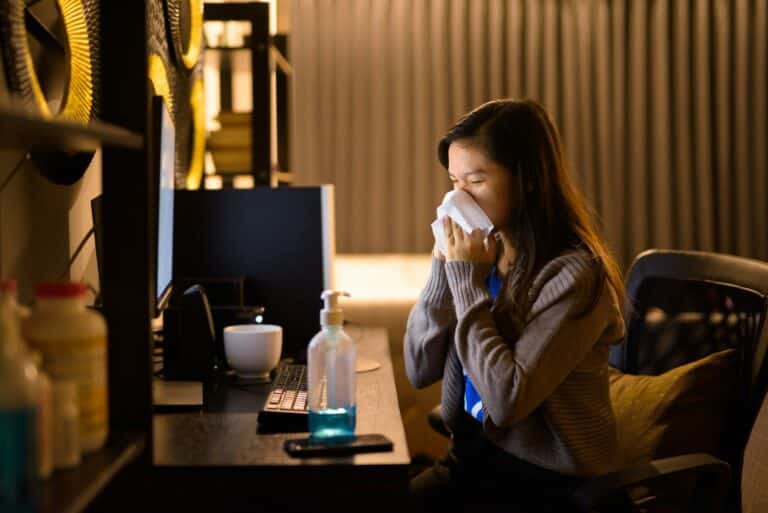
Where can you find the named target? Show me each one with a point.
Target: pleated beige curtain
(661, 104)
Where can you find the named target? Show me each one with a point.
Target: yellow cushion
(678, 412)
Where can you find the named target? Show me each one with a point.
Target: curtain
(661, 105)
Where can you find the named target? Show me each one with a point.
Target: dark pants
(478, 476)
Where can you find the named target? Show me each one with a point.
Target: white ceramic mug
(253, 350)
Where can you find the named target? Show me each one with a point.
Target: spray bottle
(331, 376)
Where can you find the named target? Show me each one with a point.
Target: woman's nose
(462, 186)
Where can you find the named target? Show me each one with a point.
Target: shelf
(20, 129)
(71, 491)
(228, 48)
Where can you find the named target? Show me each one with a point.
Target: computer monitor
(162, 142)
(280, 241)
(163, 153)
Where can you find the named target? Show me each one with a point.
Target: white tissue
(459, 206)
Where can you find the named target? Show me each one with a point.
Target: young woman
(518, 327)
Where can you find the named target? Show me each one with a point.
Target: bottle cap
(332, 315)
(62, 289)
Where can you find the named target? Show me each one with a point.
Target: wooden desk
(218, 459)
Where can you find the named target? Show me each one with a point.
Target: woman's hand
(467, 247)
(437, 254)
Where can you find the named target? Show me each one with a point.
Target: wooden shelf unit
(71, 491)
(21, 129)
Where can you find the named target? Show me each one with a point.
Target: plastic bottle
(73, 340)
(44, 418)
(331, 376)
(44, 405)
(18, 403)
(66, 413)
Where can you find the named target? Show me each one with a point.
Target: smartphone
(305, 447)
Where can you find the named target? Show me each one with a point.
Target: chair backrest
(684, 305)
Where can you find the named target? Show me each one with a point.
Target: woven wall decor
(160, 84)
(79, 104)
(197, 146)
(185, 28)
(174, 42)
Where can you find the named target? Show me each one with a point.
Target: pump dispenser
(332, 314)
(331, 375)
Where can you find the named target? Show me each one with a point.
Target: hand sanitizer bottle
(331, 376)
(18, 417)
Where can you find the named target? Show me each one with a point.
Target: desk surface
(225, 435)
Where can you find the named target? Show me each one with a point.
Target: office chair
(683, 306)
(707, 493)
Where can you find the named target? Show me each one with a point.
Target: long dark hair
(550, 215)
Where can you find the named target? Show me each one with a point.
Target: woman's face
(488, 182)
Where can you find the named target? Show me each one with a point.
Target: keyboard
(287, 406)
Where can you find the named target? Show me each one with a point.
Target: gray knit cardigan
(543, 380)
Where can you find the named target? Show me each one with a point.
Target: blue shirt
(473, 404)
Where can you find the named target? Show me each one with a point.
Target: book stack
(230, 146)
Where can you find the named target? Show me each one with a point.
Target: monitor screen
(281, 242)
(165, 157)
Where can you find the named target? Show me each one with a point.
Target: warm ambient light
(209, 166)
(242, 182)
(384, 277)
(213, 182)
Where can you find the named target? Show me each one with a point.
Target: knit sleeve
(430, 327)
(514, 377)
